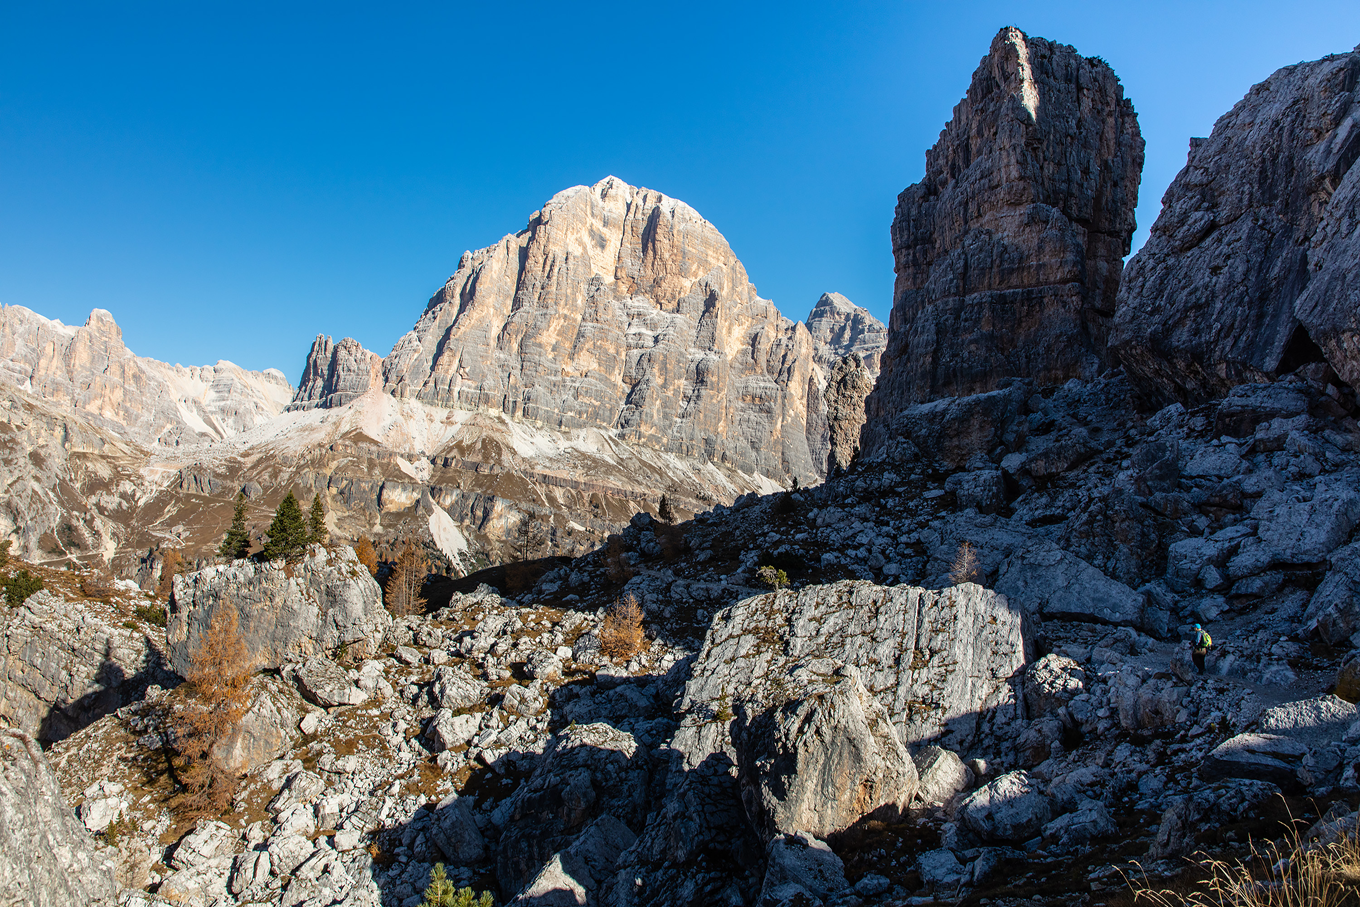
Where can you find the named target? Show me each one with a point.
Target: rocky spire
(1008, 252)
(1251, 268)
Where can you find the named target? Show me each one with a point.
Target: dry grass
(965, 566)
(621, 636)
(1287, 874)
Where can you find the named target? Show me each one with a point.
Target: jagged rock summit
(1250, 270)
(89, 369)
(618, 308)
(1008, 252)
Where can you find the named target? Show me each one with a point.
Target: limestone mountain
(619, 309)
(1008, 252)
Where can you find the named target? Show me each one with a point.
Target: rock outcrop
(63, 665)
(1250, 270)
(336, 374)
(328, 601)
(89, 370)
(1008, 252)
(47, 859)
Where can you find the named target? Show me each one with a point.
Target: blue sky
(231, 180)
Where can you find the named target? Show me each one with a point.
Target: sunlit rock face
(619, 308)
(1253, 266)
(1008, 252)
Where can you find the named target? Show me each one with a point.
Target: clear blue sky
(232, 180)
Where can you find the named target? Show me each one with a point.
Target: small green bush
(20, 586)
(773, 577)
(152, 614)
(4, 553)
(441, 893)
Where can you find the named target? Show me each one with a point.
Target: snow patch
(447, 536)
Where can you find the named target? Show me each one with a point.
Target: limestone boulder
(455, 832)
(326, 684)
(822, 761)
(1013, 808)
(47, 859)
(587, 771)
(1259, 757)
(575, 876)
(267, 729)
(284, 613)
(1049, 581)
(800, 869)
(62, 665)
(942, 774)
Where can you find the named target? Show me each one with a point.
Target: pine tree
(236, 543)
(287, 533)
(316, 523)
(665, 511)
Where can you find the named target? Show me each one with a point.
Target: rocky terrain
(956, 671)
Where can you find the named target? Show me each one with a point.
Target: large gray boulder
(1259, 757)
(944, 664)
(1334, 610)
(801, 870)
(1044, 579)
(575, 876)
(824, 760)
(1008, 252)
(267, 729)
(1012, 808)
(46, 857)
(586, 772)
(1250, 269)
(285, 613)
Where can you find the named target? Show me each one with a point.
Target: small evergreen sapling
(442, 893)
(236, 543)
(316, 523)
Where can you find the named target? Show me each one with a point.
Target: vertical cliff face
(839, 328)
(89, 370)
(1008, 252)
(1251, 268)
(336, 373)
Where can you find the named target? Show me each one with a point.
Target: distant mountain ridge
(90, 370)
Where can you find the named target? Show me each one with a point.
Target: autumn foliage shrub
(621, 635)
(220, 669)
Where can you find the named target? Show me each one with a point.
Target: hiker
(1199, 647)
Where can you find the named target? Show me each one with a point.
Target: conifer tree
(665, 511)
(316, 523)
(236, 543)
(287, 533)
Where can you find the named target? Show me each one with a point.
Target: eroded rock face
(46, 857)
(619, 308)
(329, 601)
(1250, 269)
(63, 666)
(336, 373)
(847, 387)
(1008, 253)
(89, 370)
